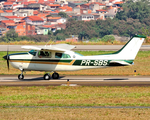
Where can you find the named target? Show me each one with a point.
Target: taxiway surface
(33, 80)
(77, 48)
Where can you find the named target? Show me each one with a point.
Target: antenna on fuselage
(51, 43)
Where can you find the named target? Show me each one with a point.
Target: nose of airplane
(5, 57)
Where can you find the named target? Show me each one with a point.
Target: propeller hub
(5, 57)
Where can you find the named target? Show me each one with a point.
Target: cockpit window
(66, 56)
(62, 55)
(33, 52)
(58, 55)
(79, 54)
(45, 54)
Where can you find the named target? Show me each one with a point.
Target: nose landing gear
(21, 76)
(47, 76)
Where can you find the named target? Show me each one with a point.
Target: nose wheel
(20, 76)
(47, 77)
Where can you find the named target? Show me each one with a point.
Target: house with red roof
(6, 13)
(96, 6)
(50, 27)
(3, 18)
(65, 9)
(30, 29)
(85, 6)
(53, 6)
(43, 16)
(55, 27)
(112, 11)
(101, 11)
(15, 6)
(21, 28)
(8, 24)
(118, 3)
(46, 1)
(1, 11)
(56, 20)
(35, 12)
(85, 11)
(24, 12)
(7, 5)
(34, 20)
(14, 18)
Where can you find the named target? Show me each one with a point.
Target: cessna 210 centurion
(59, 57)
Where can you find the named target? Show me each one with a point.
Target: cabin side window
(58, 55)
(45, 54)
(62, 55)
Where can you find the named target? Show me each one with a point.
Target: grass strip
(74, 96)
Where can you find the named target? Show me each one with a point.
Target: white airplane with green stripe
(59, 57)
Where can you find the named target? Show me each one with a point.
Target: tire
(20, 77)
(47, 77)
(55, 75)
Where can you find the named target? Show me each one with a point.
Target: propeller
(7, 60)
(6, 57)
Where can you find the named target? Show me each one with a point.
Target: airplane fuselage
(27, 62)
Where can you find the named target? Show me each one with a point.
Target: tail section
(131, 48)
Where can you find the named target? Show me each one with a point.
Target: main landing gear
(47, 76)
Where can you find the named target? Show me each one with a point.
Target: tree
(63, 14)
(136, 10)
(11, 35)
(108, 38)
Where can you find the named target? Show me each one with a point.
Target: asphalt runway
(78, 47)
(34, 80)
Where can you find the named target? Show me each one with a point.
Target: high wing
(57, 47)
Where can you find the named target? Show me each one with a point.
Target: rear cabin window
(62, 55)
(45, 54)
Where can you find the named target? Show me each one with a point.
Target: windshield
(78, 54)
(33, 52)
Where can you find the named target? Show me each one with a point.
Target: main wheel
(20, 76)
(55, 75)
(47, 77)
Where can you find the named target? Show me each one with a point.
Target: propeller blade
(7, 59)
(8, 64)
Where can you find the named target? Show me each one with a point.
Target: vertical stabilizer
(131, 48)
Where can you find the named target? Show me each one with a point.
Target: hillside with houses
(38, 17)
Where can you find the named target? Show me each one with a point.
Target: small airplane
(59, 57)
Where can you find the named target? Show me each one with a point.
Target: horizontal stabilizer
(119, 63)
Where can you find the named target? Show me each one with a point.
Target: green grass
(73, 114)
(74, 96)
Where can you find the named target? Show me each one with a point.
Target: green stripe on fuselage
(99, 62)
